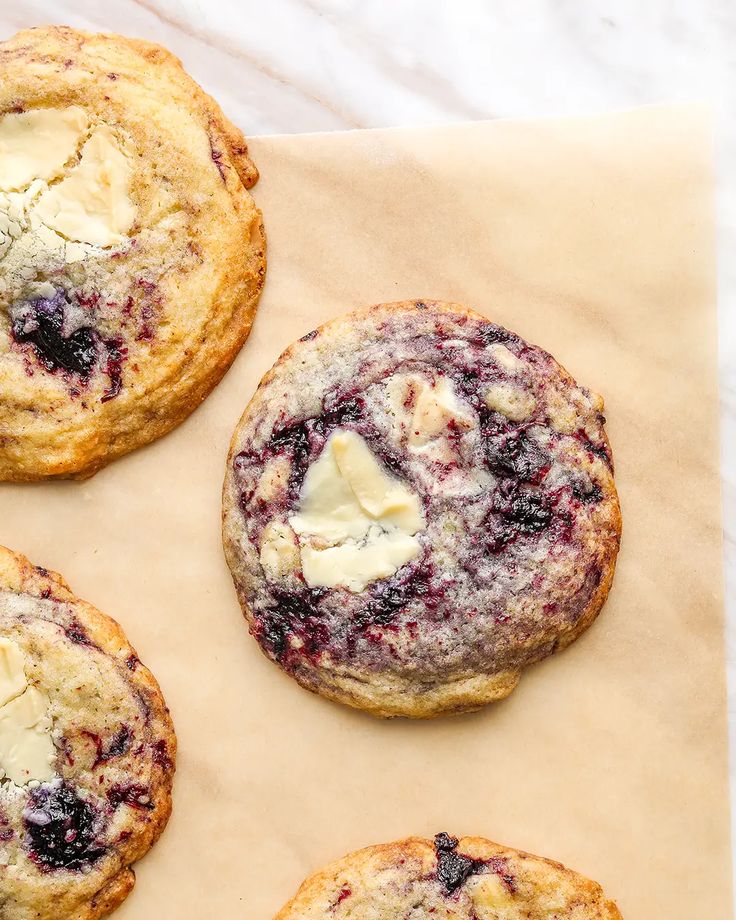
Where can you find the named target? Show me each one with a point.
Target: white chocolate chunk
(563, 414)
(273, 480)
(279, 551)
(26, 748)
(381, 496)
(37, 144)
(513, 402)
(329, 509)
(488, 893)
(354, 565)
(92, 204)
(15, 208)
(356, 522)
(436, 407)
(51, 212)
(507, 359)
(596, 402)
(12, 672)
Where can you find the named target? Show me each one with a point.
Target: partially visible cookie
(132, 255)
(448, 879)
(87, 752)
(419, 504)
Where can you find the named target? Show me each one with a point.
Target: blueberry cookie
(86, 752)
(450, 879)
(131, 252)
(418, 504)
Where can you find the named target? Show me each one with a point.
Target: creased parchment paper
(594, 239)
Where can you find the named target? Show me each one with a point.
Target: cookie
(87, 752)
(418, 505)
(450, 879)
(131, 252)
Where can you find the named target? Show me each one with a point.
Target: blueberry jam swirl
(454, 869)
(507, 463)
(62, 830)
(69, 335)
(41, 325)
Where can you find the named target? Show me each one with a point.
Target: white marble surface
(283, 66)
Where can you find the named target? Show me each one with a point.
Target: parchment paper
(594, 239)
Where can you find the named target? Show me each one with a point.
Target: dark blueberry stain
(499, 866)
(389, 460)
(6, 831)
(61, 829)
(490, 334)
(118, 745)
(391, 596)
(77, 633)
(132, 795)
(509, 452)
(41, 327)
(529, 512)
(293, 614)
(454, 869)
(309, 336)
(589, 496)
(468, 383)
(116, 354)
(132, 662)
(146, 322)
(295, 439)
(161, 755)
(385, 606)
(244, 458)
(598, 450)
(516, 514)
(601, 451)
(348, 410)
(217, 159)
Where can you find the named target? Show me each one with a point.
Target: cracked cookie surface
(87, 752)
(418, 504)
(132, 255)
(447, 879)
